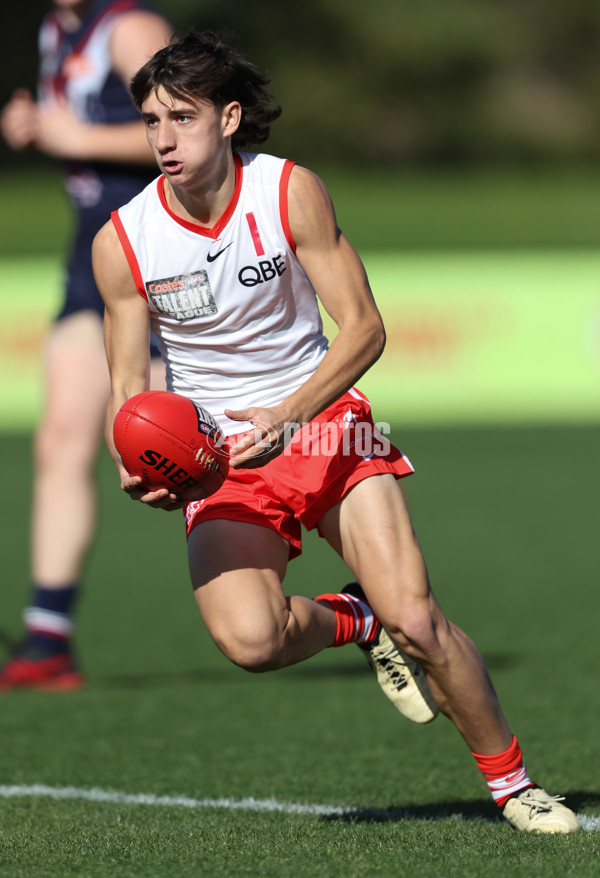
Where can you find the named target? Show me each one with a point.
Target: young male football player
(224, 257)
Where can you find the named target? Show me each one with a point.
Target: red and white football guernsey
(235, 314)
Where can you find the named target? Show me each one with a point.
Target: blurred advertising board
(476, 337)
(473, 337)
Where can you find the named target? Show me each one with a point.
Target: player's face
(190, 138)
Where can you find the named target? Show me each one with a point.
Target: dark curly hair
(208, 66)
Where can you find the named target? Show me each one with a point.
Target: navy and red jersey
(76, 66)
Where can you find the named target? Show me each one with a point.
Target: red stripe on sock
(504, 771)
(350, 620)
(344, 617)
(43, 632)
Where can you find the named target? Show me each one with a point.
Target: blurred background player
(83, 116)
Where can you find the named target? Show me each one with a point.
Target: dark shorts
(81, 292)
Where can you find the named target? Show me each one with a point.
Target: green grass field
(172, 762)
(508, 521)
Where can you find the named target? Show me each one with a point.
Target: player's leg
(399, 676)
(66, 446)
(76, 387)
(236, 570)
(372, 531)
(63, 517)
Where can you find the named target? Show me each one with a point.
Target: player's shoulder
(311, 214)
(110, 263)
(265, 169)
(137, 32)
(307, 190)
(144, 203)
(262, 166)
(128, 17)
(303, 177)
(105, 238)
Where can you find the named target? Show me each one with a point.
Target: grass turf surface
(508, 522)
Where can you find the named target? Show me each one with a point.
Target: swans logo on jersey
(183, 296)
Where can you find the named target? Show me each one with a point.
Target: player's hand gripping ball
(170, 442)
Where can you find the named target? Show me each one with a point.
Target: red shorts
(323, 460)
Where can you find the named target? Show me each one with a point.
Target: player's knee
(255, 656)
(60, 444)
(417, 633)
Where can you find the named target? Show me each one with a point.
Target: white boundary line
(113, 797)
(590, 824)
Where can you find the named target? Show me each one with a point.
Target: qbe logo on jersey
(183, 296)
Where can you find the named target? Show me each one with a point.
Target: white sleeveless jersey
(235, 314)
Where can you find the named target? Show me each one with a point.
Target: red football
(170, 442)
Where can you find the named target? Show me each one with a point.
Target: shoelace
(387, 656)
(538, 801)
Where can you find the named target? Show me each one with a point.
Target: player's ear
(231, 118)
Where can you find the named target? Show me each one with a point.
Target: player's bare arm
(338, 276)
(62, 134)
(126, 332)
(126, 322)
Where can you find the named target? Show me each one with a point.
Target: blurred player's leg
(64, 500)
(66, 445)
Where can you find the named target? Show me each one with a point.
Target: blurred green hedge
(393, 81)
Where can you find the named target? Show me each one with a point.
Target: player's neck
(205, 202)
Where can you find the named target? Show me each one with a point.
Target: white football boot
(533, 810)
(401, 678)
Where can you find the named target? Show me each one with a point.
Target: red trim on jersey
(217, 229)
(258, 245)
(283, 202)
(129, 254)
